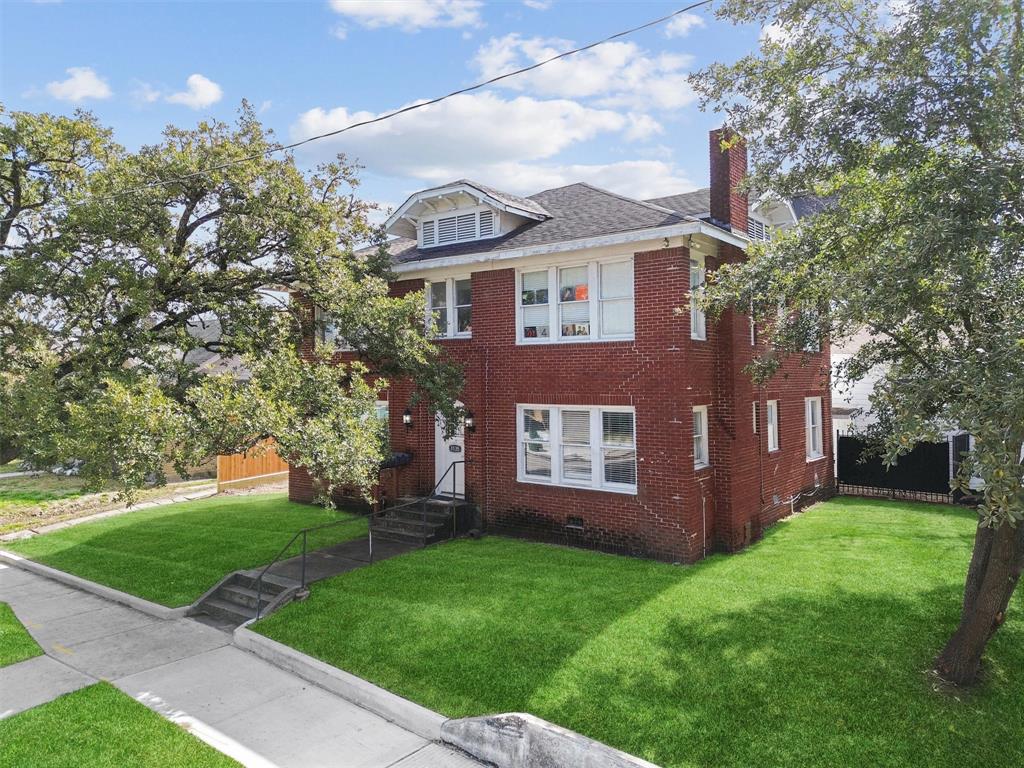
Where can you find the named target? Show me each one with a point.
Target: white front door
(447, 451)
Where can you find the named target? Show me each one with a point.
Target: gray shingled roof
(514, 201)
(688, 203)
(576, 211)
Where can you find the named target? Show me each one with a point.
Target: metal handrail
(304, 533)
(422, 501)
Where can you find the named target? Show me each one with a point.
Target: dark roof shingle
(576, 211)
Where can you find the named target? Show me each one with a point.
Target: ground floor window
(578, 446)
(815, 448)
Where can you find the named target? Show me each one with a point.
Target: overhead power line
(397, 112)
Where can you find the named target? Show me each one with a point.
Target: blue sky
(621, 116)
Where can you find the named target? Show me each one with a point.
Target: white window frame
(701, 455)
(597, 333)
(450, 331)
(814, 431)
(755, 414)
(698, 319)
(321, 320)
(772, 414)
(475, 211)
(554, 443)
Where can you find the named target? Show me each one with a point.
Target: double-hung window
(582, 302)
(450, 307)
(328, 332)
(700, 437)
(815, 446)
(578, 446)
(698, 321)
(772, 413)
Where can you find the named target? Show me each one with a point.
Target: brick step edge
(138, 603)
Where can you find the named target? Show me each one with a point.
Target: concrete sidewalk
(191, 674)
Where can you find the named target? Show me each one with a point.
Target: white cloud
(504, 142)
(145, 93)
(616, 74)
(681, 25)
(200, 92)
(339, 31)
(267, 104)
(537, 5)
(410, 15)
(639, 179)
(467, 130)
(83, 83)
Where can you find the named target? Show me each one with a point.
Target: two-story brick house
(604, 411)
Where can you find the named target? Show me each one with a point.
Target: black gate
(922, 474)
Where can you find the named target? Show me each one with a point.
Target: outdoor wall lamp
(470, 422)
(407, 418)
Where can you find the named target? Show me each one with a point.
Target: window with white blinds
(578, 446)
(582, 302)
(458, 228)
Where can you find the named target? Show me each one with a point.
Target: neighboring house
(851, 402)
(605, 412)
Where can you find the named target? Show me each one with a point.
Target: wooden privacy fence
(254, 467)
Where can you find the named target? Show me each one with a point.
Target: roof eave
(617, 238)
(478, 193)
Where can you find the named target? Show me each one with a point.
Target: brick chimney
(728, 167)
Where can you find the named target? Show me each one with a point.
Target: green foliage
(120, 270)
(909, 120)
(806, 650)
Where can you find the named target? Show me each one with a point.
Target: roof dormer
(461, 212)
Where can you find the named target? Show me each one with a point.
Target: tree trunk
(995, 569)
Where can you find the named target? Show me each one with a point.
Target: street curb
(407, 714)
(114, 595)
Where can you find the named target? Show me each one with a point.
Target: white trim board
(653, 235)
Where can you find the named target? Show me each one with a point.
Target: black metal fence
(921, 475)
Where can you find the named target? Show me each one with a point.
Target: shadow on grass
(820, 680)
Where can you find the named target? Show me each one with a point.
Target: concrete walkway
(192, 675)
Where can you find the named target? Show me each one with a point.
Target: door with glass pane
(448, 450)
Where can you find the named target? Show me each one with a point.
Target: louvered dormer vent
(458, 228)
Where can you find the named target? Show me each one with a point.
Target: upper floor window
(772, 413)
(327, 330)
(583, 302)
(450, 307)
(458, 227)
(698, 320)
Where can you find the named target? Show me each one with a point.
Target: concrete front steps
(425, 521)
(233, 601)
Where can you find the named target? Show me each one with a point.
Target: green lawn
(173, 554)
(11, 466)
(24, 492)
(16, 644)
(811, 648)
(100, 727)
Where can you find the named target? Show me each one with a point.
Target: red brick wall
(678, 511)
(727, 170)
